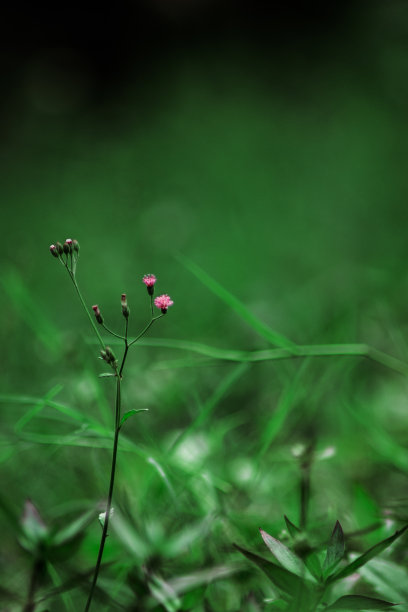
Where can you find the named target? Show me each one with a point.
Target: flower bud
(54, 250)
(75, 244)
(66, 248)
(98, 315)
(60, 248)
(125, 308)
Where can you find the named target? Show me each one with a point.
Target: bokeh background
(268, 146)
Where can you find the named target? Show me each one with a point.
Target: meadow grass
(233, 440)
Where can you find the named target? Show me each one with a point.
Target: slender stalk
(142, 333)
(110, 493)
(112, 333)
(85, 308)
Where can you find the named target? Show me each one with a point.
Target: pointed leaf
(286, 557)
(335, 549)
(370, 554)
(130, 413)
(293, 530)
(358, 602)
(279, 576)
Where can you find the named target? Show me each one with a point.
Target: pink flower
(149, 280)
(163, 302)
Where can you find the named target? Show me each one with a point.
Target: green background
(280, 171)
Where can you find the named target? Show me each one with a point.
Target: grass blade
(264, 330)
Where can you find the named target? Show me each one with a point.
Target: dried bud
(60, 248)
(125, 308)
(98, 315)
(54, 250)
(110, 356)
(75, 244)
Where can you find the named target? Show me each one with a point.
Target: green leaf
(107, 375)
(370, 554)
(264, 330)
(293, 530)
(335, 549)
(313, 564)
(283, 579)
(358, 602)
(283, 554)
(130, 413)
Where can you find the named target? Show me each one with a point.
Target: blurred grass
(284, 193)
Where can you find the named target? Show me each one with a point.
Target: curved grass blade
(259, 326)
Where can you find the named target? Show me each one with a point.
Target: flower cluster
(68, 248)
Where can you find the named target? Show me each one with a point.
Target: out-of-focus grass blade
(210, 405)
(283, 554)
(182, 584)
(358, 602)
(278, 417)
(365, 557)
(264, 330)
(39, 405)
(164, 593)
(73, 529)
(379, 439)
(32, 313)
(283, 579)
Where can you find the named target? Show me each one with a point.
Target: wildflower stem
(85, 307)
(142, 333)
(112, 332)
(110, 493)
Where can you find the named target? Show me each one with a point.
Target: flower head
(54, 250)
(149, 280)
(163, 302)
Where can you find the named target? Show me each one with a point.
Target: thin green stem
(110, 493)
(112, 332)
(142, 333)
(74, 282)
